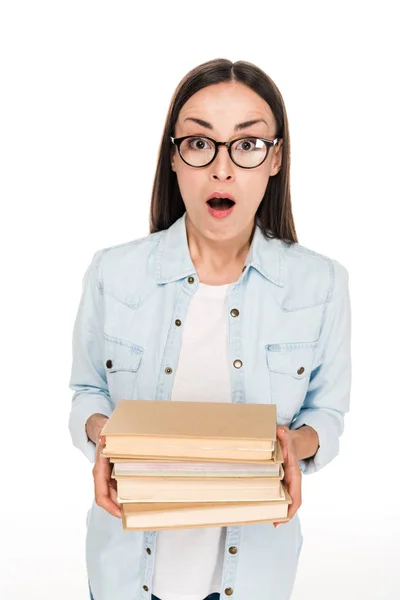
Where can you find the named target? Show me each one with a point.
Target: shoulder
(126, 258)
(131, 249)
(309, 267)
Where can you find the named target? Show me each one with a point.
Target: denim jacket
(289, 327)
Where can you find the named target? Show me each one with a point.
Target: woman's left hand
(292, 472)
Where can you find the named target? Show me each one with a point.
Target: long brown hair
(274, 214)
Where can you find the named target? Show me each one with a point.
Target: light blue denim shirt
(291, 333)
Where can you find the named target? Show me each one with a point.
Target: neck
(218, 256)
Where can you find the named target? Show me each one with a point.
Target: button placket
(235, 350)
(149, 541)
(231, 558)
(173, 343)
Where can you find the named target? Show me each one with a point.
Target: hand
(94, 426)
(105, 488)
(292, 472)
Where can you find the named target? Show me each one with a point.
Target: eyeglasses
(245, 152)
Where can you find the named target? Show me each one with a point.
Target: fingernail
(278, 525)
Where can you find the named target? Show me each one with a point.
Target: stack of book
(195, 464)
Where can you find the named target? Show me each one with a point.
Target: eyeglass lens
(246, 152)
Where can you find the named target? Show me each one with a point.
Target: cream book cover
(153, 516)
(155, 427)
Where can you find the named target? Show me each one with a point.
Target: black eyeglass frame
(178, 142)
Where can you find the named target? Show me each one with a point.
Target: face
(223, 106)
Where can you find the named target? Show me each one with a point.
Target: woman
(218, 303)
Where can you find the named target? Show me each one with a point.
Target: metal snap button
(146, 589)
(148, 550)
(168, 370)
(178, 323)
(232, 550)
(237, 363)
(300, 371)
(228, 591)
(234, 312)
(190, 279)
(109, 364)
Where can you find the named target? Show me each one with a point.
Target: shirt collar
(174, 261)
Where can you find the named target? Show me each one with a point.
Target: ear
(276, 161)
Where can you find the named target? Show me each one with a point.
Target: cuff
(328, 430)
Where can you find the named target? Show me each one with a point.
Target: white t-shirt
(188, 562)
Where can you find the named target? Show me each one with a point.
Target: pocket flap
(121, 355)
(294, 359)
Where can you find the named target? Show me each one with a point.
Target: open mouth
(220, 203)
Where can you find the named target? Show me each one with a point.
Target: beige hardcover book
(152, 516)
(160, 449)
(191, 429)
(196, 489)
(276, 457)
(194, 469)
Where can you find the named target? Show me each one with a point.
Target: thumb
(101, 442)
(282, 429)
(282, 433)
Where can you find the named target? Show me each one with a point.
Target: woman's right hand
(105, 488)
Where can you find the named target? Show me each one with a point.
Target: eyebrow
(238, 126)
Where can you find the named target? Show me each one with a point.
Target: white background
(85, 87)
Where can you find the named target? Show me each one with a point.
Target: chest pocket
(290, 365)
(122, 361)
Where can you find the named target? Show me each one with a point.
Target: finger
(113, 484)
(283, 436)
(280, 433)
(114, 496)
(101, 442)
(103, 492)
(110, 507)
(277, 523)
(294, 490)
(101, 480)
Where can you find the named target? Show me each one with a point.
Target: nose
(222, 167)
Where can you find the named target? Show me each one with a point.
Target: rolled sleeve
(88, 378)
(328, 395)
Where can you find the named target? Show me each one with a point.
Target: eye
(249, 144)
(198, 143)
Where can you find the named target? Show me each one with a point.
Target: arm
(88, 378)
(328, 395)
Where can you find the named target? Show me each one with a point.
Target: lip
(220, 214)
(221, 195)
